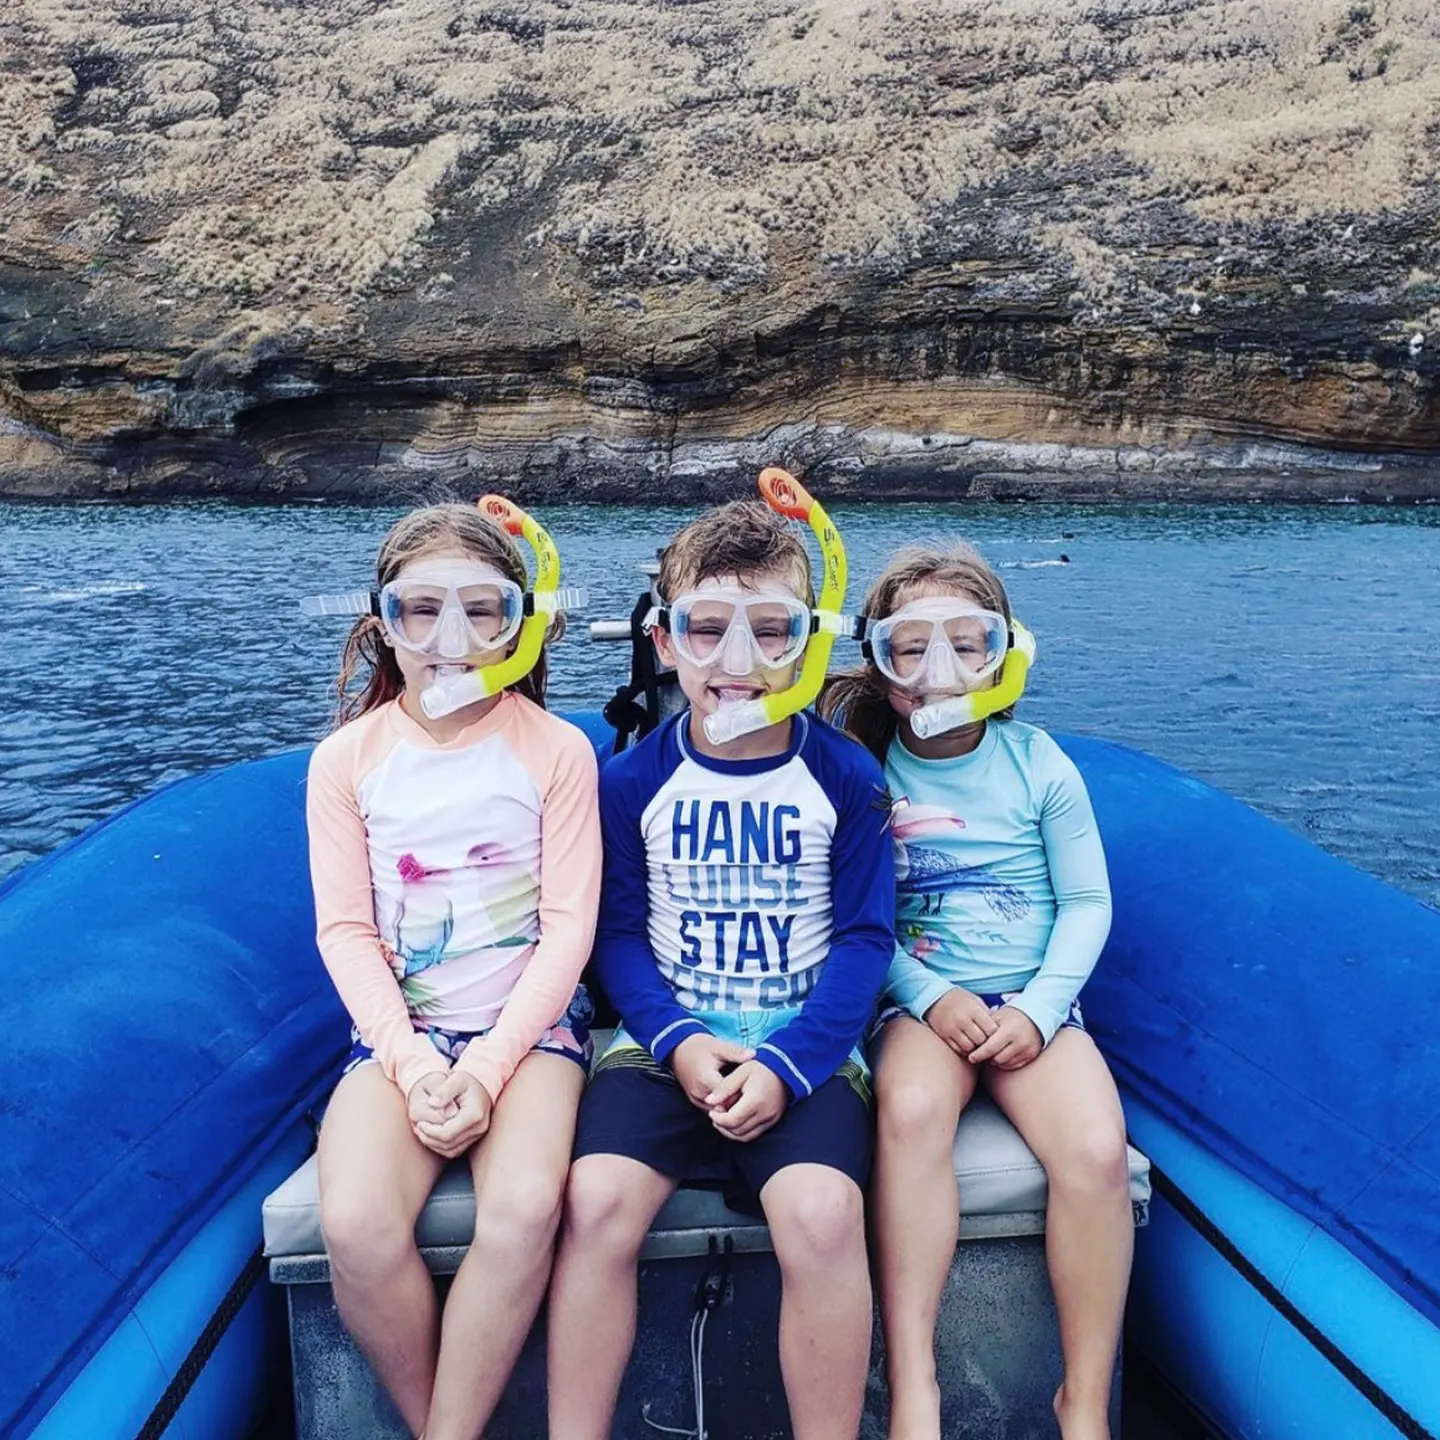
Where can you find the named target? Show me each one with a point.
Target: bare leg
(921, 1087)
(817, 1223)
(375, 1177)
(1066, 1106)
(520, 1167)
(609, 1204)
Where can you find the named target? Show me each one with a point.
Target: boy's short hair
(745, 537)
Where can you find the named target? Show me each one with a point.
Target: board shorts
(1073, 1020)
(569, 1036)
(635, 1107)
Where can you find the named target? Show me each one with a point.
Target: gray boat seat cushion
(1002, 1192)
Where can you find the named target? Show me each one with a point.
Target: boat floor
(1150, 1409)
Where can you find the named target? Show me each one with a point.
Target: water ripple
(1284, 654)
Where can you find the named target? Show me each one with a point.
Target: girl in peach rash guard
(456, 868)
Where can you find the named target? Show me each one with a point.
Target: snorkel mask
(738, 630)
(938, 644)
(464, 611)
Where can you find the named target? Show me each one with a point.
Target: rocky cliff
(998, 247)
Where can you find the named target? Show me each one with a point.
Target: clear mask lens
(739, 634)
(939, 646)
(442, 617)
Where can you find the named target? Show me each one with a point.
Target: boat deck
(1150, 1414)
(1153, 1412)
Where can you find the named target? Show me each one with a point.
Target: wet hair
(744, 538)
(426, 531)
(859, 699)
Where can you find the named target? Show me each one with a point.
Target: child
(456, 866)
(1003, 908)
(745, 930)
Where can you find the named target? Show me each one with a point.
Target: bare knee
(818, 1230)
(600, 1209)
(1092, 1161)
(364, 1236)
(914, 1114)
(520, 1212)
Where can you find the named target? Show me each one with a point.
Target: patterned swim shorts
(568, 1036)
(1072, 1021)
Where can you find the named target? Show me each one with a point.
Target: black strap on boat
(717, 1285)
(183, 1381)
(624, 712)
(1207, 1229)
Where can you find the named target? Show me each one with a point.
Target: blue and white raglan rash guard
(754, 899)
(1001, 875)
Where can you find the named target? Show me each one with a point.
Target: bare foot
(1081, 1422)
(915, 1410)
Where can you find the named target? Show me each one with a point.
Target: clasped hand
(1008, 1038)
(742, 1097)
(449, 1111)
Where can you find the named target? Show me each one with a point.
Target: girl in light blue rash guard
(1003, 906)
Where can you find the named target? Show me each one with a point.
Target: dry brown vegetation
(305, 155)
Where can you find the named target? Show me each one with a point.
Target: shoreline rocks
(1185, 250)
(873, 466)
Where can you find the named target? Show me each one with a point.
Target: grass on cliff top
(309, 154)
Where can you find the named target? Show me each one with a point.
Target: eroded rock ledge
(1156, 249)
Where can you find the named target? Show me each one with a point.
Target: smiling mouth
(736, 694)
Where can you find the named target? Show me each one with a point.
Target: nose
(944, 671)
(453, 641)
(737, 655)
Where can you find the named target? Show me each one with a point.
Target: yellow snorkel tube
(785, 495)
(955, 711)
(542, 601)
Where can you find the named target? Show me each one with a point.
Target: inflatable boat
(1270, 1012)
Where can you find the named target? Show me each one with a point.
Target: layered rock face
(610, 250)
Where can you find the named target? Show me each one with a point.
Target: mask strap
(785, 495)
(357, 602)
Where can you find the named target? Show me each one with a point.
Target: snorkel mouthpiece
(956, 711)
(785, 495)
(453, 692)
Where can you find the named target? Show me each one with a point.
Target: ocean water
(1290, 656)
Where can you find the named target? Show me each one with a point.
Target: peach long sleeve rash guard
(456, 885)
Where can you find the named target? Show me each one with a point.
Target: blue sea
(1288, 655)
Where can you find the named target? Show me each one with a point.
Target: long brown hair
(422, 532)
(859, 699)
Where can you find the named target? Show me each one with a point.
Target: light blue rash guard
(1000, 875)
(753, 899)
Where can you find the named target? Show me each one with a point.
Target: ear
(664, 646)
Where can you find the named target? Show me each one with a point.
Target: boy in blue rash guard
(746, 925)
(1002, 911)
